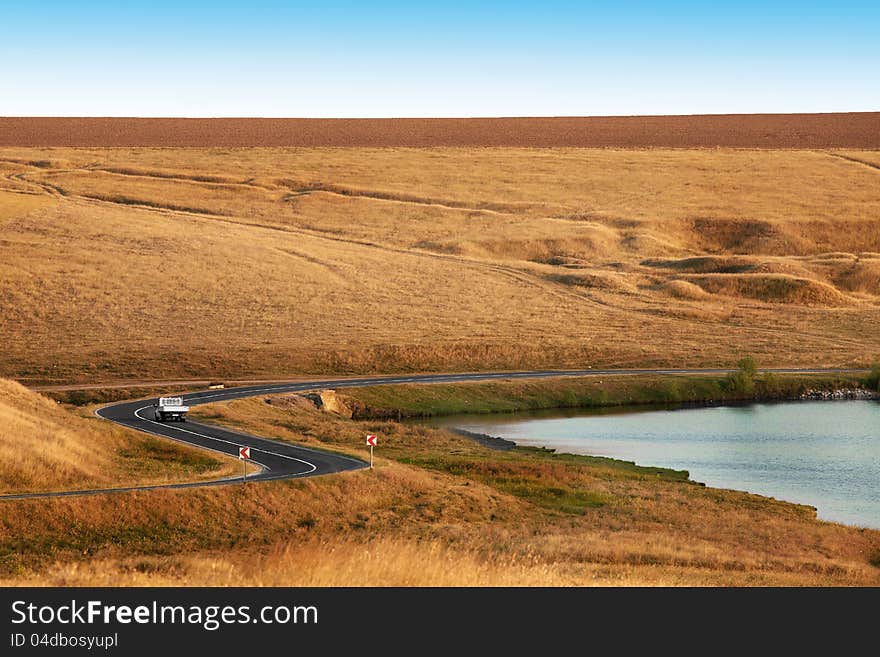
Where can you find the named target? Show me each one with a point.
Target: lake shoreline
(490, 402)
(800, 451)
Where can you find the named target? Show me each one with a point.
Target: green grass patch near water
(426, 400)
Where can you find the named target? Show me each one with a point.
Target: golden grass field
(138, 264)
(438, 510)
(148, 263)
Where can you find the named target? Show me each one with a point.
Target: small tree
(743, 380)
(748, 366)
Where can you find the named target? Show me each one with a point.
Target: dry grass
(774, 288)
(383, 562)
(331, 260)
(49, 448)
(352, 260)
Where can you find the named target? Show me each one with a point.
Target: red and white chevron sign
(244, 452)
(371, 440)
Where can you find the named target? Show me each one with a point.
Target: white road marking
(162, 435)
(228, 442)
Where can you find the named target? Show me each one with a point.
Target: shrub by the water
(743, 380)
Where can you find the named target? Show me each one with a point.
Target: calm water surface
(826, 454)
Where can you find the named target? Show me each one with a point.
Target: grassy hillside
(49, 448)
(347, 260)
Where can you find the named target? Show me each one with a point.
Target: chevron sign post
(244, 453)
(372, 442)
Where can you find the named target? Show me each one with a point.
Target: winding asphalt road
(278, 460)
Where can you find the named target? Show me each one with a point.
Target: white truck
(170, 408)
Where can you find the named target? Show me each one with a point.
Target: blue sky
(360, 59)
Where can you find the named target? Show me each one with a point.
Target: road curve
(279, 460)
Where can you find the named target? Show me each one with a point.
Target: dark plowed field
(849, 130)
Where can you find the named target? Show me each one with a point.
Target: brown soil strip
(837, 130)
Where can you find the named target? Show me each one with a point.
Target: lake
(825, 454)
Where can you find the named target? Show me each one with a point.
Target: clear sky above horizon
(390, 59)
